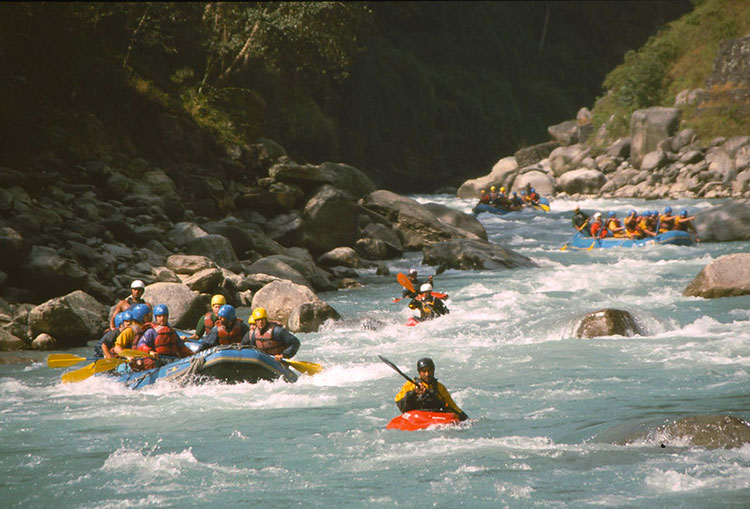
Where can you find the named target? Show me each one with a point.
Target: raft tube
(674, 238)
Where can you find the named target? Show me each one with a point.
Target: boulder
(241, 234)
(73, 319)
(385, 235)
(341, 176)
(277, 269)
(707, 431)
(620, 148)
(582, 181)
(535, 153)
(608, 322)
(340, 257)
(49, 275)
(44, 342)
(727, 276)
(373, 249)
(460, 220)
(565, 132)
(727, 222)
(502, 174)
(332, 218)
(543, 183)
(181, 233)
(472, 254)
(9, 342)
(14, 248)
(654, 160)
(189, 264)
(564, 159)
(294, 306)
(185, 306)
(215, 247)
(205, 281)
(288, 229)
(648, 127)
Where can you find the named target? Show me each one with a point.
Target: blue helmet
(631, 212)
(611, 214)
(533, 190)
(118, 320)
(127, 315)
(161, 309)
(515, 193)
(654, 212)
(523, 193)
(139, 312)
(668, 210)
(683, 213)
(646, 213)
(227, 311)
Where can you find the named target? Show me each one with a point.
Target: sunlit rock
(707, 431)
(72, 319)
(185, 306)
(294, 306)
(472, 254)
(607, 322)
(727, 276)
(729, 221)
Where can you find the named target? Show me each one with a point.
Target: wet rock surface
(608, 322)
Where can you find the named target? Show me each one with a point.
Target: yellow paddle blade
(405, 281)
(129, 352)
(63, 360)
(564, 247)
(591, 246)
(309, 368)
(99, 366)
(544, 207)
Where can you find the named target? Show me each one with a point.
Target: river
(541, 402)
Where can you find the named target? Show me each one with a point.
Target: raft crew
(648, 224)
(161, 338)
(429, 306)
(614, 226)
(136, 297)
(227, 330)
(684, 223)
(426, 393)
(207, 321)
(270, 337)
(131, 334)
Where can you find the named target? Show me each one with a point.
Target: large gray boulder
(185, 306)
(72, 319)
(608, 322)
(707, 431)
(189, 264)
(534, 153)
(544, 184)
(9, 342)
(727, 276)
(49, 275)
(502, 174)
(205, 281)
(472, 254)
(727, 222)
(564, 159)
(565, 132)
(648, 127)
(216, 247)
(460, 220)
(294, 306)
(341, 176)
(381, 234)
(279, 269)
(14, 248)
(332, 218)
(340, 257)
(582, 181)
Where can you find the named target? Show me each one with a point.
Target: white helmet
(427, 287)
(597, 215)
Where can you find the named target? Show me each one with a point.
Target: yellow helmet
(258, 313)
(502, 189)
(492, 188)
(218, 299)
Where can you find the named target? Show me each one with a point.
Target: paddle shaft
(392, 365)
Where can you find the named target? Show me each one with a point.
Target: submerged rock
(708, 431)
(607, 322)
(727, 276)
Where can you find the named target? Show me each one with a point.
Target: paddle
(392, 365)
(575, 235)
(96, 367)
(309, 368)
(65, 360)
(405, 282)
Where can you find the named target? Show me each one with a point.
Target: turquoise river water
(540, 401)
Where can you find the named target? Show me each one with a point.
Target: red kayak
(419, 419)
(411, 322)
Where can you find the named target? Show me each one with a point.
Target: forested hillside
(419, 95)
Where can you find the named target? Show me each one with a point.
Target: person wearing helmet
(107, 342)
(631, 224)
(228, 329)
(666, 220)
(270, 337)
(493, 195)
(515, 201)
(598, 229)
(533, 196)
(484, 197)
(137, 326)
(429, 305)
(644, 228)
(580, 220)
(207, 321)
(614, 226)
(137, 288)
(415, 283)
(684, 223)
(162, 339)
(426, 393)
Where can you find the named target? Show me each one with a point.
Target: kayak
(674, 238)
(412, 321)
(420, 419)
(226, 363)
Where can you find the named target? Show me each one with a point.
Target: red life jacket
(227, 337)
(265, 342)
(597, 228)
(166, 342)
(208, 320)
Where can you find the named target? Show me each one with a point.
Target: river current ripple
(548, 410)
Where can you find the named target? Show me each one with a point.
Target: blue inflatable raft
(674, 238)
(230, 363)
(491, 209)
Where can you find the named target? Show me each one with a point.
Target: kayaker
(107, 341)
(162, 338)
(136, 297)
(427, 393)
(207, 321)
(428, 305)
(270, 337)
(415, 283)
(666, 220)
(228, 329)
(684, 223)
(131, 334)
(580, 219)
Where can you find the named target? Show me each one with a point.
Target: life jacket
(667, 223)
(166, 342)
(598, 230)
(227, 337)
(139, 332)
(680, 224)
(612, 224)
(534, 197)
(493, 196)
(485, 198)
(265, 341)
(208, 320)
(631, 223)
